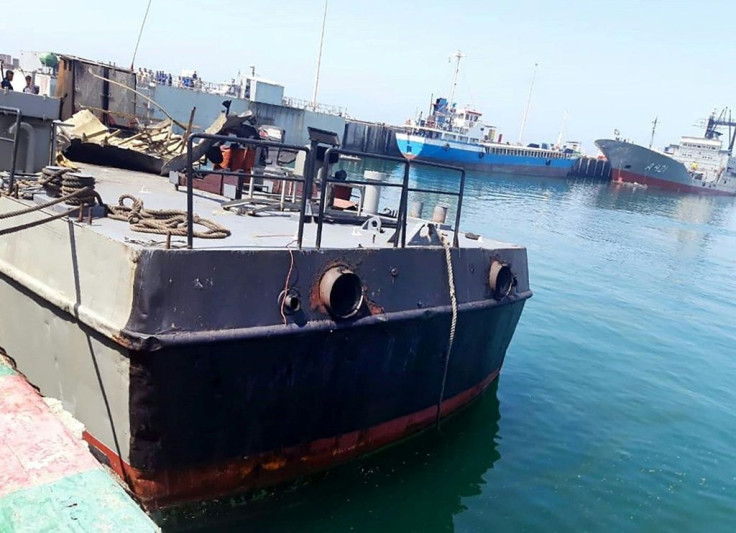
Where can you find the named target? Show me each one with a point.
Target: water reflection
(480, 188)
(689, 208)
(418, 485)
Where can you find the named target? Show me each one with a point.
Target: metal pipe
(14, 151)
(322, 195)
(190, 193)
(30, 147)
(456, 239)
(402, 219)
(308, 181)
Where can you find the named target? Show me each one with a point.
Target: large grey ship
(697, 164)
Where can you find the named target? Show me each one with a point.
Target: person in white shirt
(30, 88)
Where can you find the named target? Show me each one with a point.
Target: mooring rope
(453, 322)
(38, 222)
(162, 221)
(71, 196)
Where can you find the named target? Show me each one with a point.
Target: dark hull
(631, 163)
(212, 419)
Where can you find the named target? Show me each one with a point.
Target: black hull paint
(209, 403)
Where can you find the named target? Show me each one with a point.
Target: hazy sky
(610, 64)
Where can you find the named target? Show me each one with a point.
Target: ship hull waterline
(473, 157)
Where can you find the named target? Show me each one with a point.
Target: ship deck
(271, 228)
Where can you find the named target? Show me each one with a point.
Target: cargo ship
(456, 136)
(696, 165)
(283, 336)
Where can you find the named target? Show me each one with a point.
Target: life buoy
(446, 147)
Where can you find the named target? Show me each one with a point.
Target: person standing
(7, 81)
(30, 88)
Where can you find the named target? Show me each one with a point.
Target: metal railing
(308, 181)
(14, 153)
(401, 217)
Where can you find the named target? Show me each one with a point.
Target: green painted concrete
(90, 501)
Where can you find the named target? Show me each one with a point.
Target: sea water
(616, 406)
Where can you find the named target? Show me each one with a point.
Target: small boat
(253, 332)
(698, 165)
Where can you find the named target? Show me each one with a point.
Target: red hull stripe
(159, 489)
(631, 177)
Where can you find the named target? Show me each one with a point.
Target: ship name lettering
(658, 168)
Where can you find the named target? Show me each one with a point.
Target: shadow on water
(418, 485)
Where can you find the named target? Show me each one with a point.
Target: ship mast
(654, 128)
(528, 103)
(458, 56)
(140, 33)
(319, 59)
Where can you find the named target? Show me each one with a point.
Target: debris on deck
(146, 148)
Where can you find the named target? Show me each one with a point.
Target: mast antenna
(458, 56)
(562, 129)
(140, 33)
(528, 103)
(654, 128)
(319, 59)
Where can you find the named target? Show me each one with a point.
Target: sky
(609, 65)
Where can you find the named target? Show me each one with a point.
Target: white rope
(453, 323)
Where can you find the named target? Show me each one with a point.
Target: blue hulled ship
(458, 137)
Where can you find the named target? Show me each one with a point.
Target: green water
(615, 409)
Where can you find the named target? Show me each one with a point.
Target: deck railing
(308, 181)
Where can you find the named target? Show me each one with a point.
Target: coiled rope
(51, 180)
(162, 221)
(453, 322)
(73, 182)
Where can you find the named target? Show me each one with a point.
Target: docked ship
(457, 136)
(287, 335)
(696, 165)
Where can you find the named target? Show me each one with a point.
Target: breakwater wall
(370, 137)
(591, 167)
(178, 102)
(357, 135)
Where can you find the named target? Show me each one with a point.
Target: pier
(49, 480)
(591, 167)
(371, 137)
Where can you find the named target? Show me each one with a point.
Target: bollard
(415, 211)
(372, 194)
(440, 214)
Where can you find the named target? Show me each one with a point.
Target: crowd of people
(160, 77)
(7, 83)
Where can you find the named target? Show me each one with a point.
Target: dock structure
(49, 480)
(591, 167)
(370, 137)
